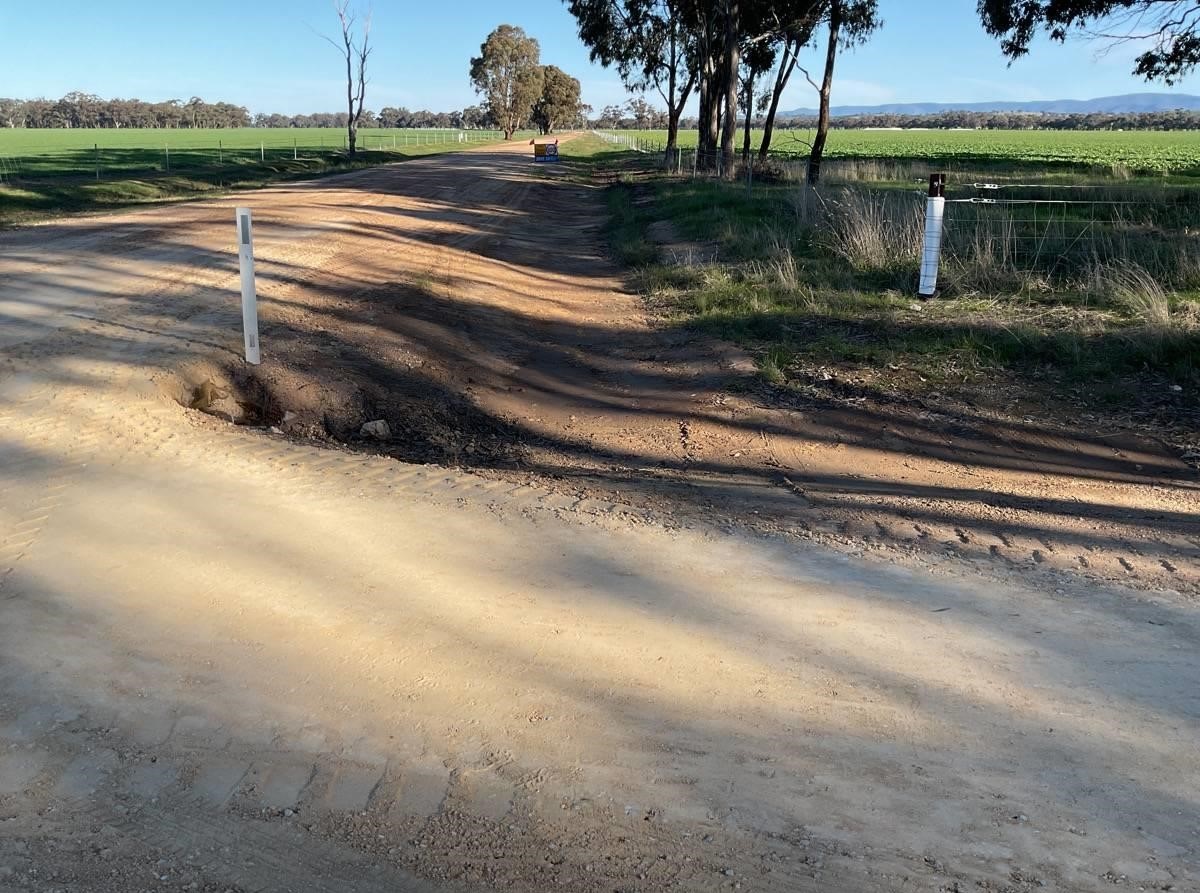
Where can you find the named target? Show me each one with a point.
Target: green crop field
(27, 154)
(1176, 152)
(21, 141)
(49, 172)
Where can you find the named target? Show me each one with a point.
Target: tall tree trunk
(710, 120)
(672, 107)
(708, 125)
(732, 61)
(718, 124)
(786, 66)
(712, 139)
(673, 114)
(818, 146)
(710, 116)
(749, 117)
(677, 97)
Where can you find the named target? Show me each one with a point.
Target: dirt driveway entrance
(473, 308)
(232, 659)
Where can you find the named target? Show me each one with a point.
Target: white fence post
(931, 248)
(249, 298)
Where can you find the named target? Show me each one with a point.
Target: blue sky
(266, 55)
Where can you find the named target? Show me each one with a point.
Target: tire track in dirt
(32, 485)
(233, 815)
(163, 800)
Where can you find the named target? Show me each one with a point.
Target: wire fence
(169, 153)
(689, 162)
(634, 143)
(1069, 233)
(1011, 235)
(1027, 238)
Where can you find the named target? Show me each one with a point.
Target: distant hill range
(1129, 103)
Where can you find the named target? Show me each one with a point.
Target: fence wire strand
(1064, 240)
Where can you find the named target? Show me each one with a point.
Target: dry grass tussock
(1137, 292)
(875, 230)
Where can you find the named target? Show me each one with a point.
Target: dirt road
(231, 659)
(476, 312)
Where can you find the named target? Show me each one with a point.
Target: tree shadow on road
(477, 313)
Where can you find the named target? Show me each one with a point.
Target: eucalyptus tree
(849, 23)
(1167, 31)
(795, 28)
(560, 101)
(509, 75)
(757, 59)
(651, 43)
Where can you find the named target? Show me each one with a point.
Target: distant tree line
(637, 114)
(85, 111)
(1172, 120)
(470, 118)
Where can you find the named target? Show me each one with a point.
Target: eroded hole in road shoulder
(403, 411)
(234, 395)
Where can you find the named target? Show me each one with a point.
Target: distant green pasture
(27, 154)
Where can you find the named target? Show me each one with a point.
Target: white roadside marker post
(249, 298)
(931, 248)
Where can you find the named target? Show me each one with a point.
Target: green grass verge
(756, 269)
(588, 158)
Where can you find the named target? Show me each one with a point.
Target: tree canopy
(650, 44)
(509, 75)
(721, 48)
(1170, 27)
(560, 101)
